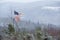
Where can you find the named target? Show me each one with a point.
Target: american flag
(17, 16)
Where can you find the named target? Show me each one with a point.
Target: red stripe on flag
(17, 18)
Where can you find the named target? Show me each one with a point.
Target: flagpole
(12, 17)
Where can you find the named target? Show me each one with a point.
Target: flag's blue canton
(16, 13)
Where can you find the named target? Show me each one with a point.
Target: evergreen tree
(11, 29)
(38, 33)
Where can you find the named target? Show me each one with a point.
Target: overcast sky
(46, 12)
(25, 1)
